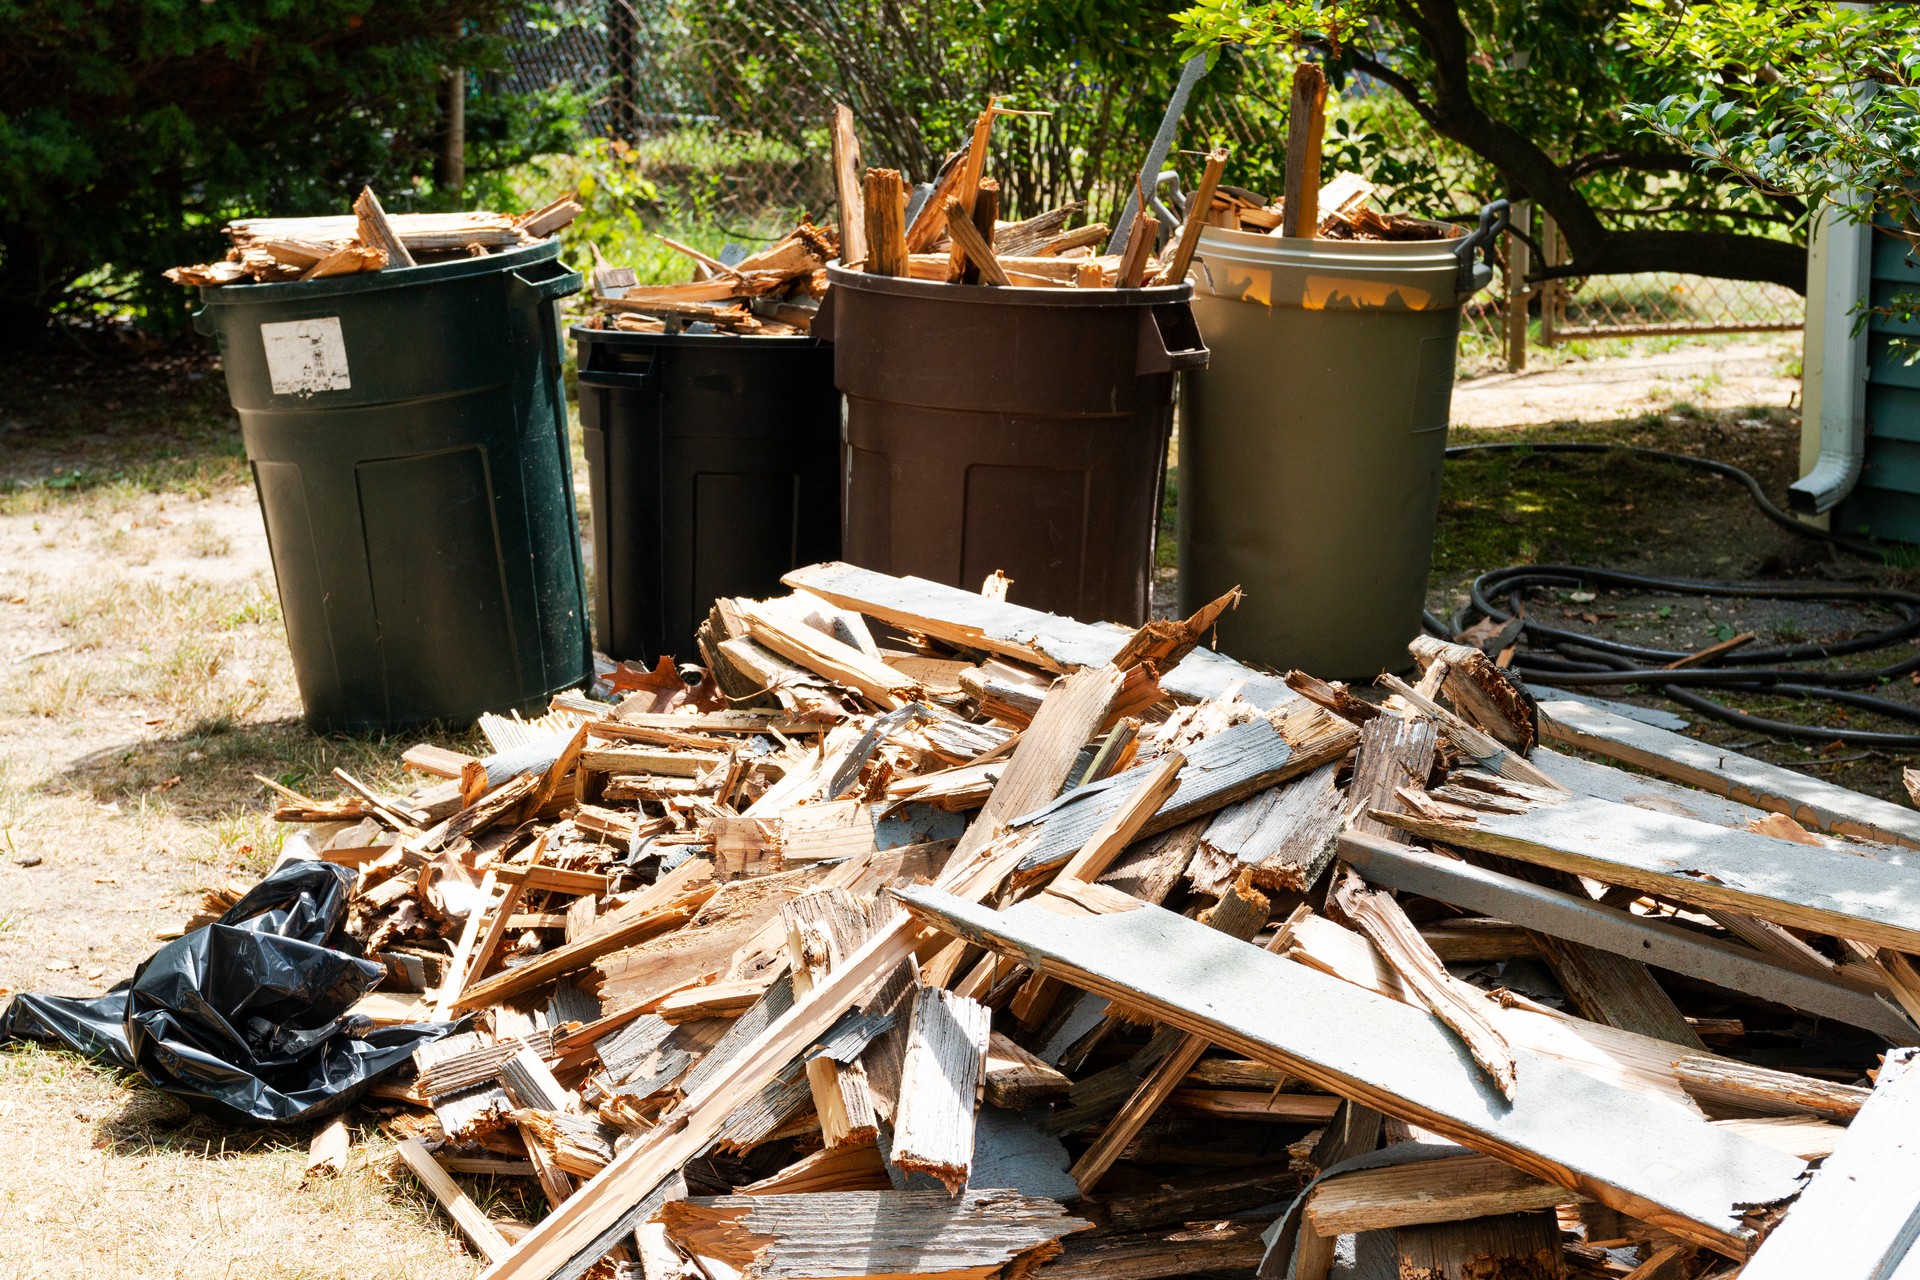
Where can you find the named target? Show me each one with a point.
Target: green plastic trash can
(407, 433)
(1311, 446)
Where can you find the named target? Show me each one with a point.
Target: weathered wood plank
(1514, 1246)
(1219, 769)
(1640, 1155)
(866, 1233)
(939, 1086)
(1284, 835)
(1860, 1214)
(1812, 803)
(1568, 915)
(1445, 1190)
(1820, 889)
(459, 1206)
(1043, 639)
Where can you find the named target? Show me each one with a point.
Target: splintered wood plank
(1219, 769)
(1515, 1246)
(1016, 1079)
(1725, 1082)
(1819, 889)
(1644, 1156)
(1445, 1190)
(939, 1086)
(843, 1169)
(847, 167)
(1028, 635)
(1221, 1247)
(1462, 1006)
(1306, 129)
(1812, 803)
(587, 1225)
(1569, 915)
(1860, 1214)
(1283, 835)
(1072, 713)
(1395, 752)
(1241, 913)
(670, 903)
(458, 1205)
(823, 929)
(866, 1233)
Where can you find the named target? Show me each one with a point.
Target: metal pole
(1157, 154)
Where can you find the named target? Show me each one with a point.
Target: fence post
(1553, 293)
(1517, 291)
(450, 161)
(623, 55)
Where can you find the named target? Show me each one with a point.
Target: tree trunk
(1530, 173)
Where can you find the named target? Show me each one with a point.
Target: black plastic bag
(246, 1018)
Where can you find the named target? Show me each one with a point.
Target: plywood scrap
(939, 1086)
(1645, 1157)
(867, 1233)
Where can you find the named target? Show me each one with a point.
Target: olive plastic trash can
(714, 466)
(1019, 429)
(407, 432)
(1311, 448)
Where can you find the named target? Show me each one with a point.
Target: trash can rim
(1007, 295)
(386, 278)
(1319, 247)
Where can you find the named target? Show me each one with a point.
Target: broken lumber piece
(1643, 1156)
(1811, 802)
(1818, 889)
(939, 1087)
(867, 1233)
(1284, 836)
(458, 1205)
(1458, 1004)
(377, 232)
(1564, 914)
(1045, 640)
(1860, 1214)
(885, 232)
(1306, 130)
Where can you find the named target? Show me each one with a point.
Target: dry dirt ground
(144, 680)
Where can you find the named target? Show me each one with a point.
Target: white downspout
(1843, 367)
(1843, 351)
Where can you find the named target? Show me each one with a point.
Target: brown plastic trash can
(1017, 429)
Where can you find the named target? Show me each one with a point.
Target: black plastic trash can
(407, 432)
(713, 461)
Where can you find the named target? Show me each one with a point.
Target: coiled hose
(1558, 656)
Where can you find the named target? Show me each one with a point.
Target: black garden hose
(1559, 656)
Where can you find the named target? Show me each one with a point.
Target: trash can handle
(616, 377)
(1493, 220)
(203, 322)
(1156, 354)
(527, 292)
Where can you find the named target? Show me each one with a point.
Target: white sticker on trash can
(305, 356)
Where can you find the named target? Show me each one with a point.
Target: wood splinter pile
(266, 250)
(772, 293)
(969, 941)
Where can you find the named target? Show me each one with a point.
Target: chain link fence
(725, 104)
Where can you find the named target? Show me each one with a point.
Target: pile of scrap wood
(928, 935)
(952, 232)
(265, 250)
(774, 292)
